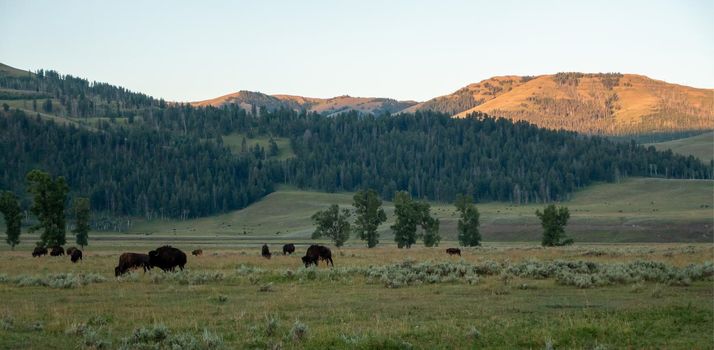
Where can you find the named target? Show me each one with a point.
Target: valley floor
(496, 296)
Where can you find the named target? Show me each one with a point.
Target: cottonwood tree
(48, 204)
(10, 208)
(553, 221)
(333, 224)
(411, 214)
(370, 215)
(468, 225)
(81, 217)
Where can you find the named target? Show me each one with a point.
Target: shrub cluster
(55, 280)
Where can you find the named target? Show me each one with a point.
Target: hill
(700, 146)
(635, 210)
(135, 155)
(610, 104)
(249, 100)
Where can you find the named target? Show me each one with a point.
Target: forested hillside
(135, 155)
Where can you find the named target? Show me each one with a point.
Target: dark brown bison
(316, 253)
(265, 252)
(57, 251)
(75, 255)
(288, 249)
(167, 258)
(453, 251)
(69, 250)
(39, 251)
(128, 261)
(197, 252)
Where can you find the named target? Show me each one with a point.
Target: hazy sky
(195, 50)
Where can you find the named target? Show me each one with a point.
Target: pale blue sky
(187, 51)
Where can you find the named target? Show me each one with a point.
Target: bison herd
(167, 258)
(73, 253)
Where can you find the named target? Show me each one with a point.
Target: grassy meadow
(506, 296)
(634, 210)
(700, 146)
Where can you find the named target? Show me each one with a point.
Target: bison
(315, 253)
(197, 252)
(288, 249)
(265, 252)
(69, 250)
(167, 258)
(75, 255)
(129, 261)
(453, 251)
(57, 251)
(39, 251)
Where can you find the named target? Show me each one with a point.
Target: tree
(10, 208)
(553, 221)
(48, 206)
(273, 148)
(468, 225)
(409, 214)
(405, 226)
(333, 224)
(81, 217)
(369, 216)
(47, 106)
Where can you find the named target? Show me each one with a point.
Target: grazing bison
(167, 258)
(39, 251)
(453, 251)
(57, 251)
(129, 261)
(288, 249)
(315, 253)
(75, 255)
(197, 252)
(265, 252)
(69, 250)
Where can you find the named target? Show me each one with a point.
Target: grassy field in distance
(381, 298)
(234, 140)
(637, 209)
(700, 146)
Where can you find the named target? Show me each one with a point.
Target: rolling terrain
(700, 146)
(610, 104)
(250, 99)
(634, 210)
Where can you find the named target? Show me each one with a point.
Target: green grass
(700, 146)
(344, 309)
(638, 209)
(234, 140)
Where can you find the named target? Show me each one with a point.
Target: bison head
(306, 261)
(116, 272)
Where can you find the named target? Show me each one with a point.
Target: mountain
(610, 103)
(248, 99)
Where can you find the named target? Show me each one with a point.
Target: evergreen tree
(333, 224)
(10, 208)
(468, 225)
(553, 221)
(81, 217)
(273, 149)
(370, 215)
(47, 106)
(48, 206)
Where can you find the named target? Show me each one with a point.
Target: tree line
(49, 198)
(414, 222)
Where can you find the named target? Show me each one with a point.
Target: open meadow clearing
(497, 296)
